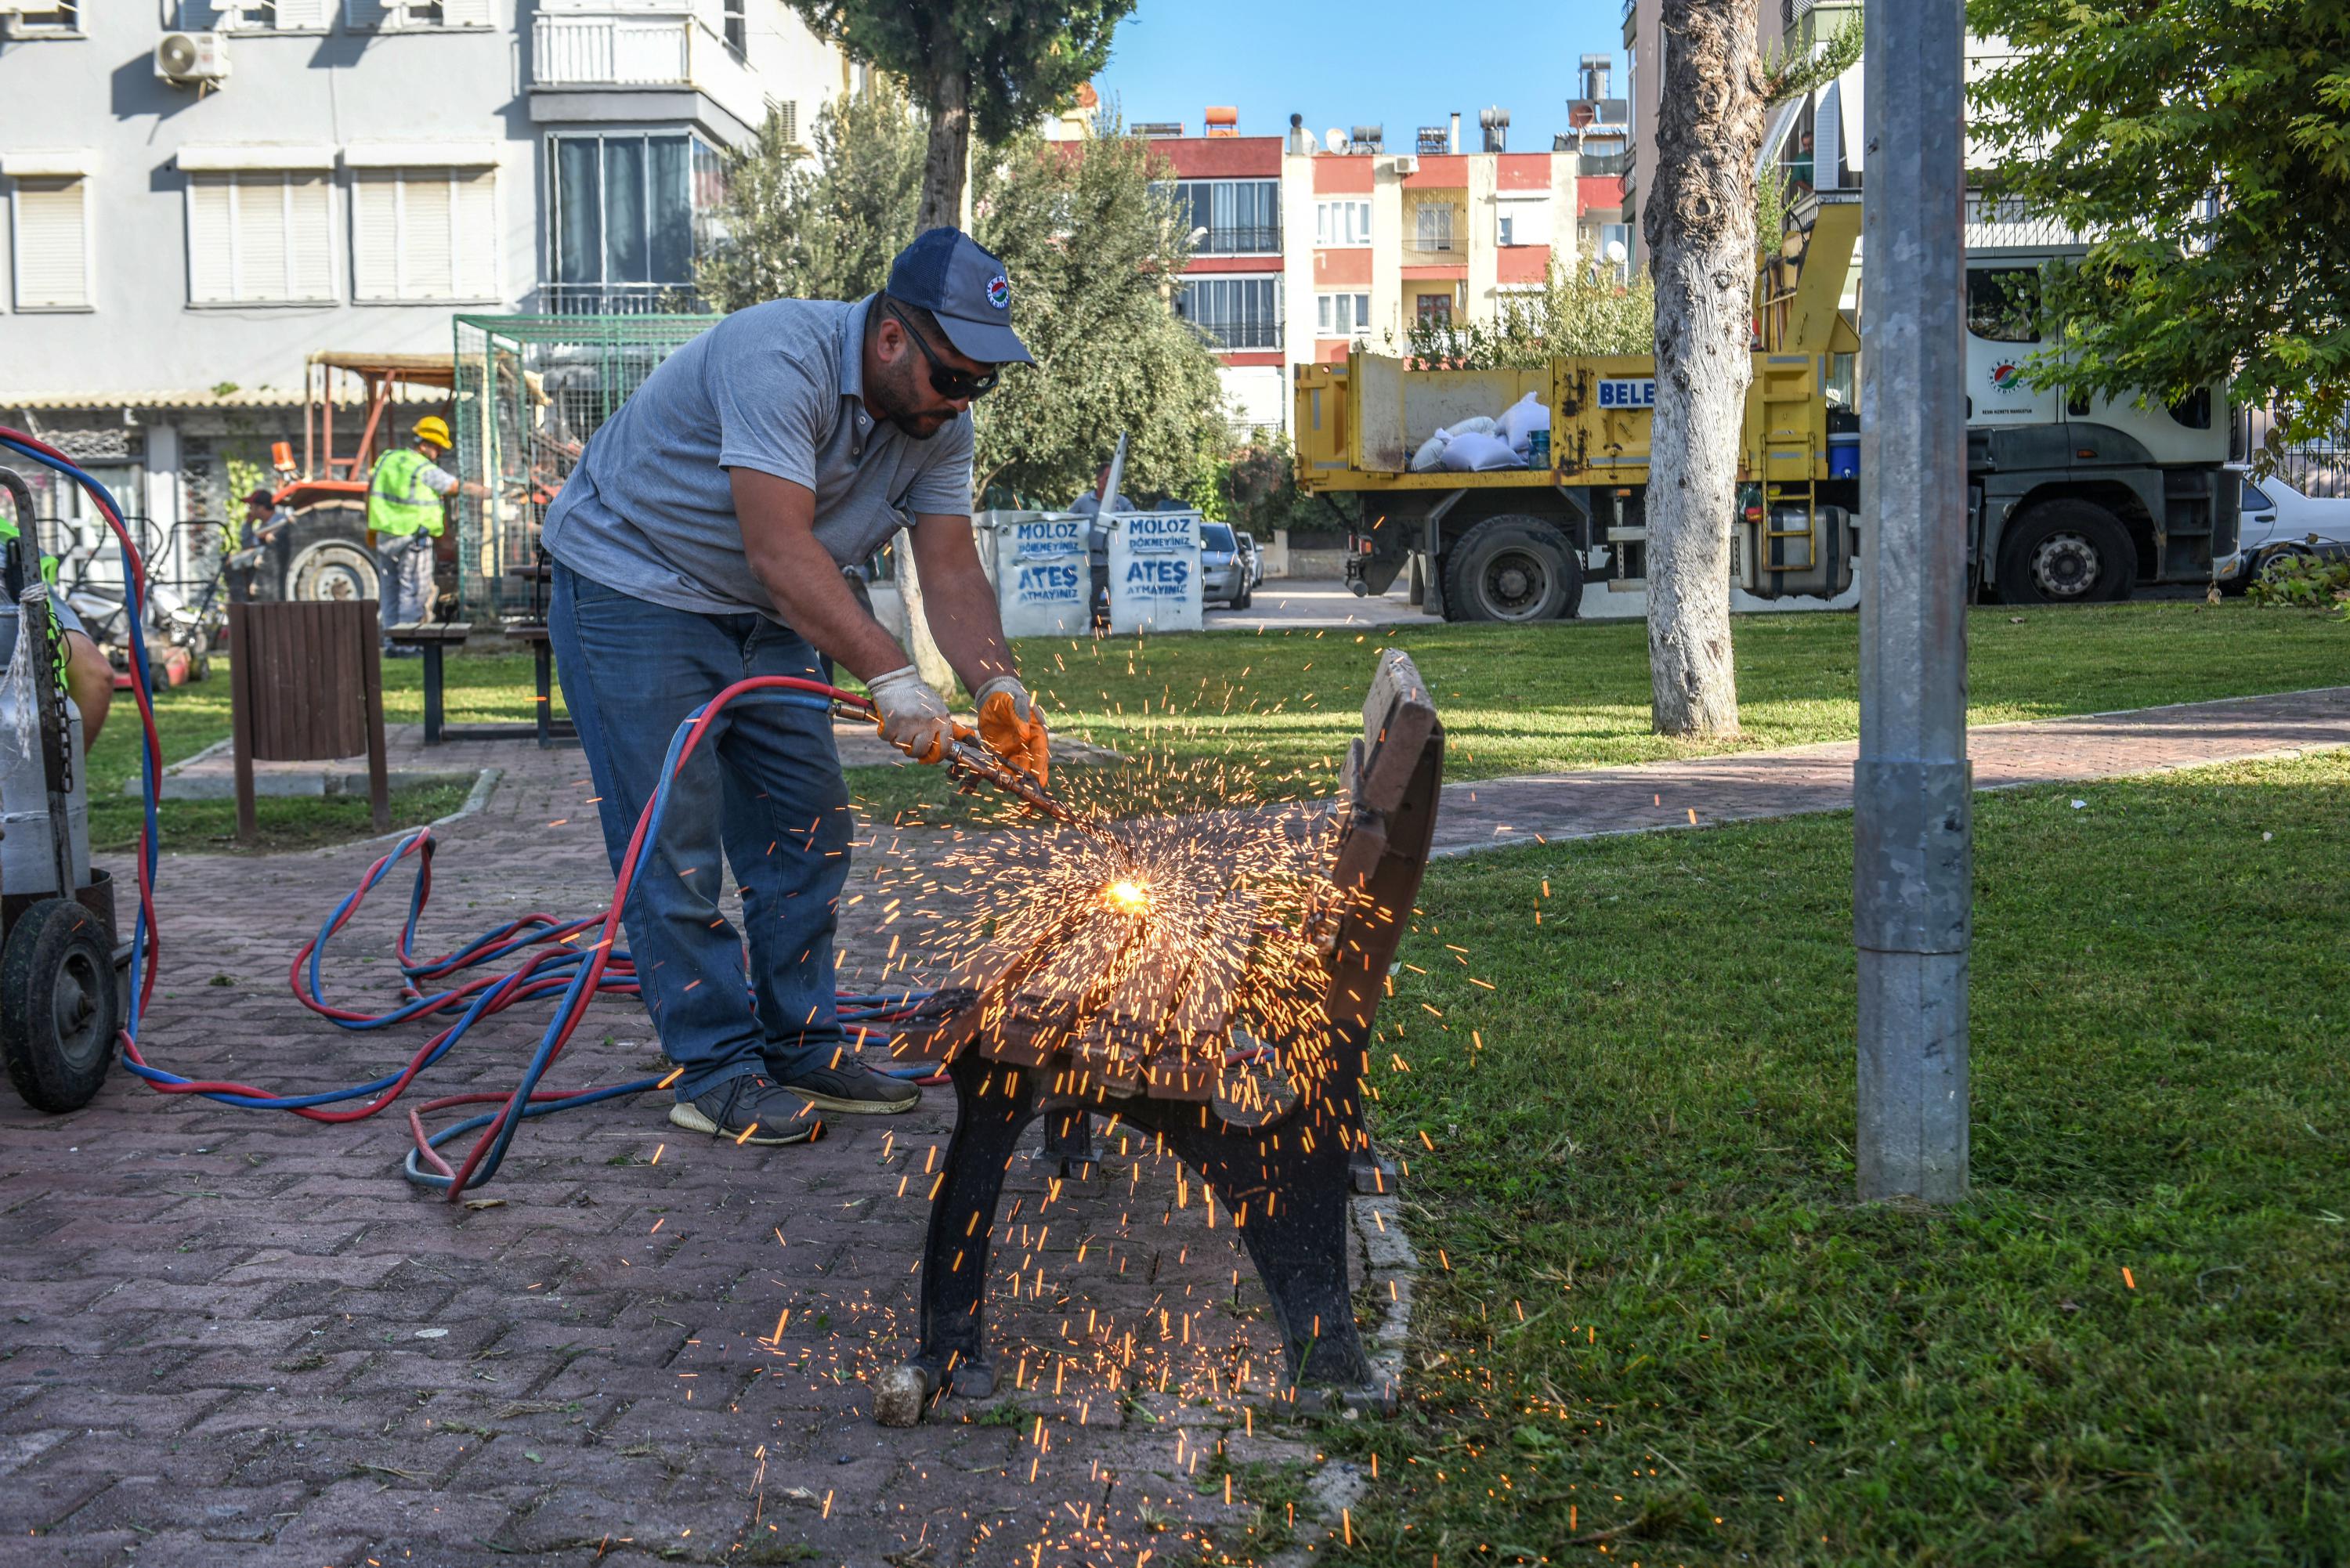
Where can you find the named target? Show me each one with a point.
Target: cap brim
(983, 342)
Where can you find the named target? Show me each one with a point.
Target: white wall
(99, 92)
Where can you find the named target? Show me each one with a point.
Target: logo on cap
(999, 292)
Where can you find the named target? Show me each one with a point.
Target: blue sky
(1349, 62)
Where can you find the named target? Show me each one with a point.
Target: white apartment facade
(342, 175)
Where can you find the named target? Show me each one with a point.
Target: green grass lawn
(1197, 711)
(189, 718)
(1655, 1327)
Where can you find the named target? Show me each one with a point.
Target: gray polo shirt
(777, 387)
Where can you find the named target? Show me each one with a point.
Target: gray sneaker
(848, 1087)
(750, 1108)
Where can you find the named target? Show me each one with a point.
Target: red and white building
(1304, 248)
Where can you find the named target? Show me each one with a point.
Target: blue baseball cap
(949, 274)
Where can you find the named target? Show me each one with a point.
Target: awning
(254, 156)
(1849, 118)
(1773, 133)
(421, 155)
(71, 164)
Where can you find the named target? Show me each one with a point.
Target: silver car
(1223, 570)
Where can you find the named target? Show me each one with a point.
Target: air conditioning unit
(1404, 163)
(187, 59)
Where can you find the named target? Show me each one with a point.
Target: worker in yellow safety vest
(406, 515)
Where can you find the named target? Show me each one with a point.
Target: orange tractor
(316, 545)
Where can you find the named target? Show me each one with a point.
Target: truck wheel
(2066, 553)
(1513, 569)
(58, 1005)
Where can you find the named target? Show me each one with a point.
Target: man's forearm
(800, 575)
(814, 601)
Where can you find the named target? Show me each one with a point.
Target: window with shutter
(61, 20)
(212, 253)
(424, 234)
(373, 14)
(375, 234)
(254, 15)
(473, 216)
(260, 238)
(52, 244)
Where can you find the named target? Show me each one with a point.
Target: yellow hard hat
(435, 429)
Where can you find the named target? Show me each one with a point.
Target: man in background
(406, 512)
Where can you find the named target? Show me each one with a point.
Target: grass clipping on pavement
(1655, 1326)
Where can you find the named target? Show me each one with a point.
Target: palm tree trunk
(1698, 222)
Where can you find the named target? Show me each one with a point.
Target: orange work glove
(1014, 727)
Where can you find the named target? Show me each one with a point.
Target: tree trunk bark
(1698, 222)
(946, 165)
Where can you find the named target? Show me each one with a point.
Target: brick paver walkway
(1707, 791)
(231, 1336)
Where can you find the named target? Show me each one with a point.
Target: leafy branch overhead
(993, 66)
(1790, 71)
(2202, 148)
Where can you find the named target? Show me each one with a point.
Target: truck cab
(2075, 497)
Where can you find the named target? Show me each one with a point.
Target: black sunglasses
(945, 379)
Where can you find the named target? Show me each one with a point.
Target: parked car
(1253, 554)
(2279, 522)
(1223, 572)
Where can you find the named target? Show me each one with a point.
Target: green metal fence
(530, 391)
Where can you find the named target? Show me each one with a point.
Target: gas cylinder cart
(63, 974)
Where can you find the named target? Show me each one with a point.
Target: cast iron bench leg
(432, 694)
(1294, 1223)
(995, 1102)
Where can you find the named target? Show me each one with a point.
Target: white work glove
(912, 717)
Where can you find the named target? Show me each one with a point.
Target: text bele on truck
(2070, 498)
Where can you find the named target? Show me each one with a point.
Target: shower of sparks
(1183, 948)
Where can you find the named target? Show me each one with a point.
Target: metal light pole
(1913, 829)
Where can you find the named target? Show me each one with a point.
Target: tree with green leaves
(1093, 245)
(991, 66)
(2202, 149)
(1580, 310)
(1699, 216)
(826, 227)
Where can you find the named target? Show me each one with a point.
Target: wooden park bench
(1261, 1093)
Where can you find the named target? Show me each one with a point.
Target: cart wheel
(59, 1011)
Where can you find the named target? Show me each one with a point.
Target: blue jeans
(764, 784)
(404, 573)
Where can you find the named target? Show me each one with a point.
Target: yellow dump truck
(2069, 498)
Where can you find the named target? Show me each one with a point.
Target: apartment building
(1304, 246)
(201, 193)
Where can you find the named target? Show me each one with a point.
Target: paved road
(1709, 791)
(1307, 602)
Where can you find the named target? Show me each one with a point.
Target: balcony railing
(1241, 334)
(671, 46)
(621, 299)
(1241, 241)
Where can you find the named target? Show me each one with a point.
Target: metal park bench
(1250, 1070)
